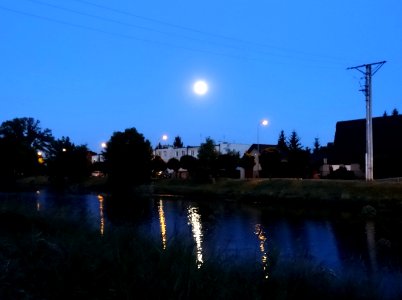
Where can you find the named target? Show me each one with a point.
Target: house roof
(350, 139)
(262, 147)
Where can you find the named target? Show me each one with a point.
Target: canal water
(245, 233)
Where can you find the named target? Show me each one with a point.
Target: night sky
(86, 69)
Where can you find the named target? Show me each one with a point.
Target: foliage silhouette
(207, 156)
(128, 158)
(20, 141)
(68, 163)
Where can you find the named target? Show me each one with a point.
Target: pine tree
(282, 145)
(177, 142)
(317, 145)
(294, 142)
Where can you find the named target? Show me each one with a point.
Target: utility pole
(368, 72)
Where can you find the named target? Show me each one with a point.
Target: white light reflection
(37, 201)
(162, 222)
(262, 238)
(371, 244)
(194, 219)
(102, 217)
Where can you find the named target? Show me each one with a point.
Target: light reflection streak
(102, 217)
(194, 219)
(262, 238)
(162, 222)
(371, 244)
(37, 201)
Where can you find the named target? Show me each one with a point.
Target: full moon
(200, 87)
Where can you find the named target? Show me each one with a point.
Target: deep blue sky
(88, 68)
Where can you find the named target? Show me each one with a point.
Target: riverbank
(303, 189)
(297, 195)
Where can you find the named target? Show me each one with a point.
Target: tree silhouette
(207, 152)
(298, 159)
(247, 162)
(395, 112)
(177, 142)
(207, 156)
(282, 144)
(128, 159)
(158, 165)
(20, 141)
(27, 131)
(317, 145)
(270, 161)
(227, 163)
(68, 163)
(174, 164)
(189, 163)
(294, 142)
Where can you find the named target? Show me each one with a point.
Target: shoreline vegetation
(297, 195)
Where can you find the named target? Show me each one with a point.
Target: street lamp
(263, 122)
(103, 145)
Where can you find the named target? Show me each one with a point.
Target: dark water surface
(357, 248)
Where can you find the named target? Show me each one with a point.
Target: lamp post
(263, 122)
(160, 145)
(103, 145)
(164, 137)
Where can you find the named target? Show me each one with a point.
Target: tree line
(27, 149)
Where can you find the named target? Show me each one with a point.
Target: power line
(167, 44)
(113, 33)
(236, 40)
(125, 23)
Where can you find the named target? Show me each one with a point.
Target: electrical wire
(245, 54)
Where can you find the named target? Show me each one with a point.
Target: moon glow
(200, 87)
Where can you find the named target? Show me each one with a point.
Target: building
(350, 145)
(168, 152)
(255, 150)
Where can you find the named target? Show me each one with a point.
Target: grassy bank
(313, 195)
(325, 190)
(291, 195)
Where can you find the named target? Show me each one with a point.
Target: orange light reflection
(162, 222)
(102, 217)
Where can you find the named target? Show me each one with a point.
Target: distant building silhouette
(255, 150)
(350, 145)
(168, 152)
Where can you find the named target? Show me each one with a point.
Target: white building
(168, 152)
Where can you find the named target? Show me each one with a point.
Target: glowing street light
(104, 146)
(263, 122)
